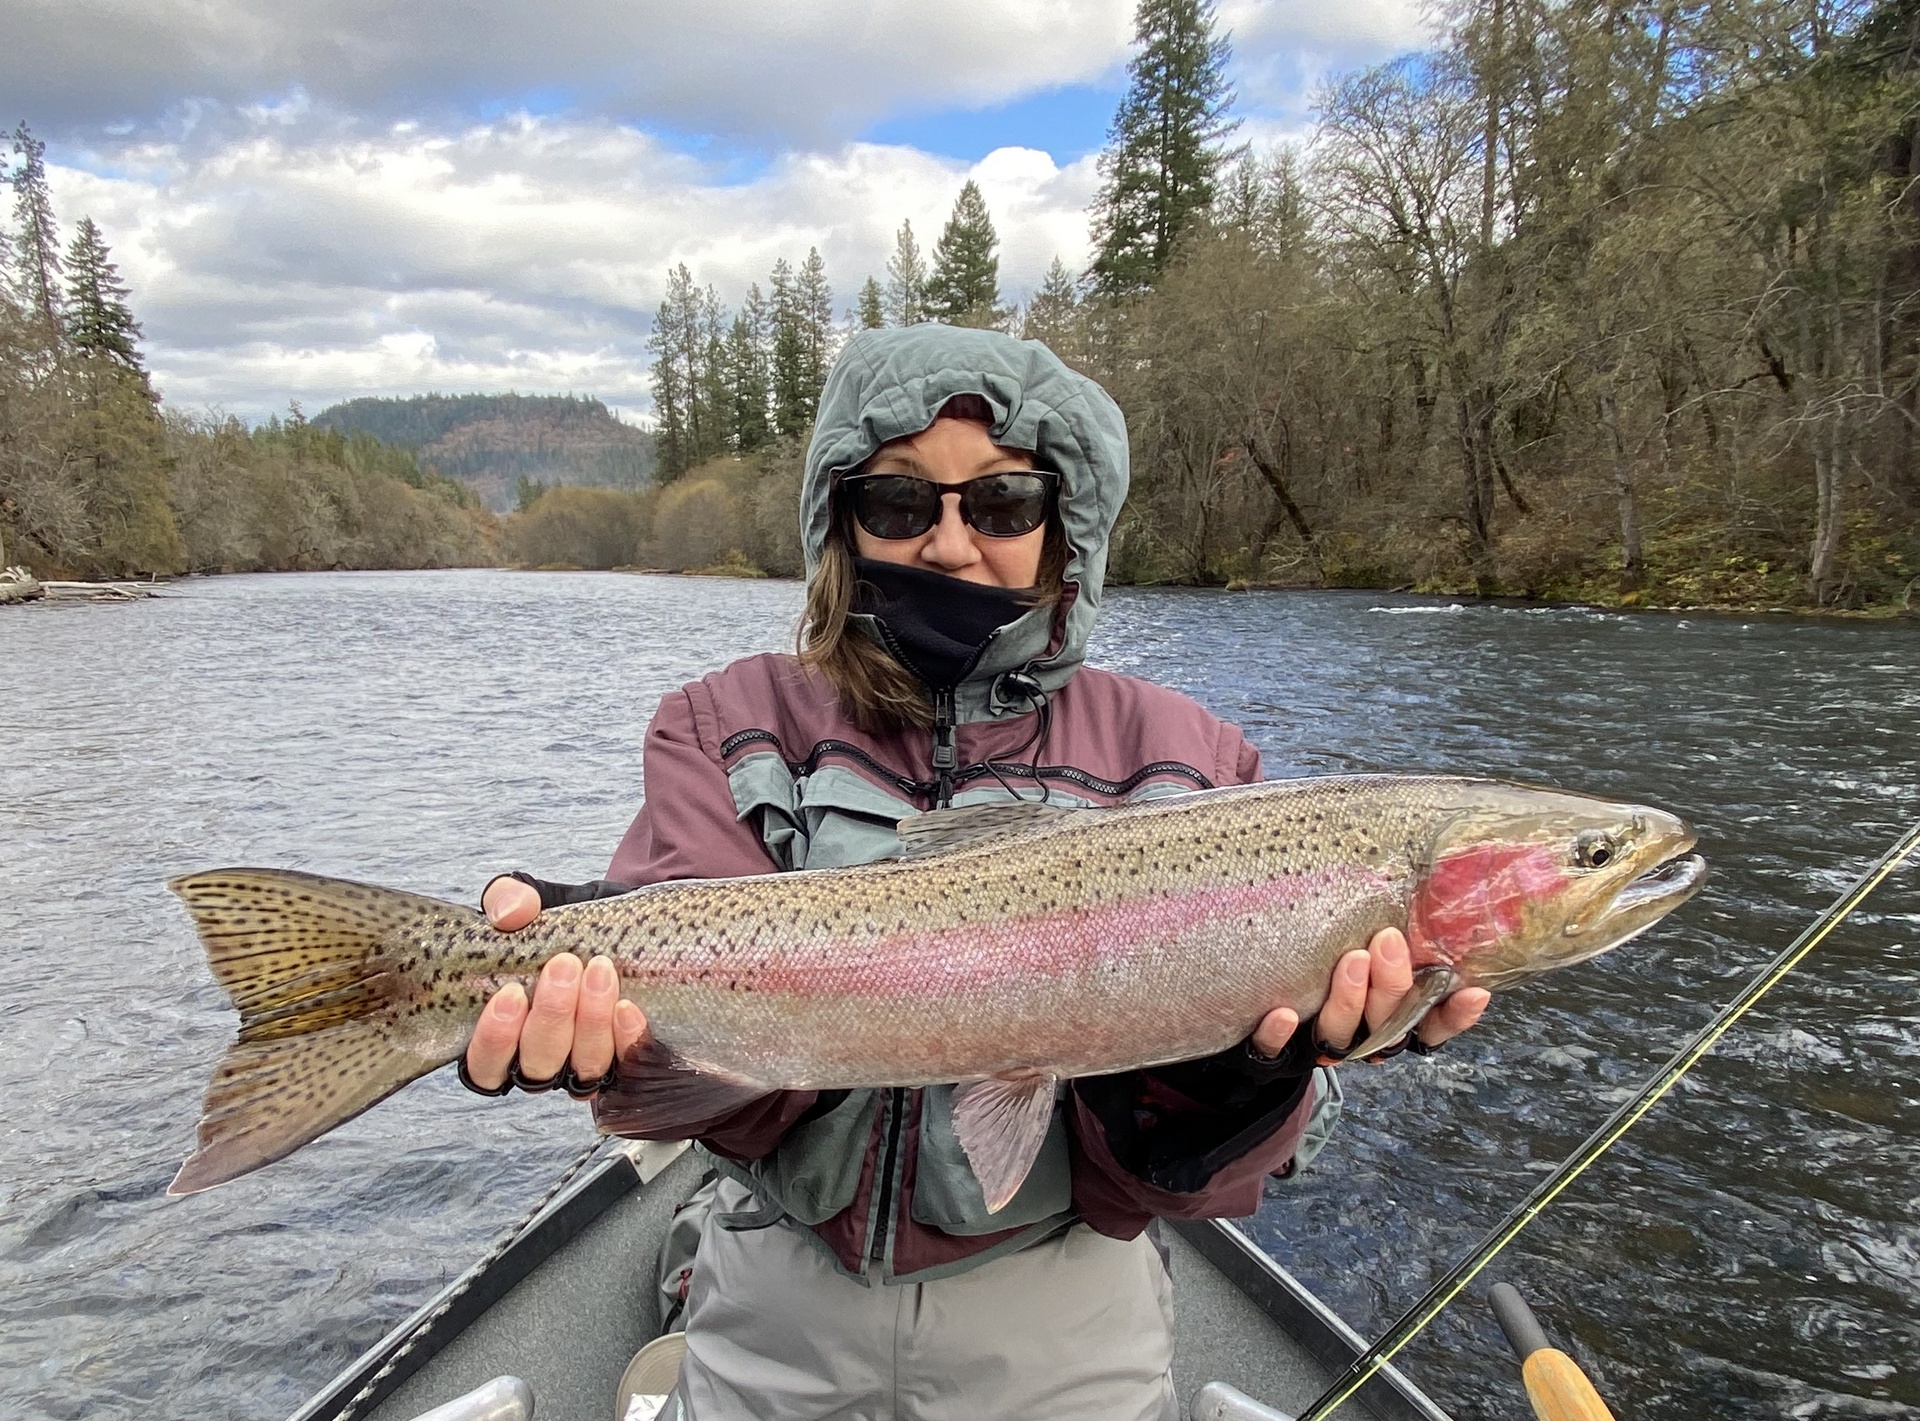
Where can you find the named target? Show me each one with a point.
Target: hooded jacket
(755, 769)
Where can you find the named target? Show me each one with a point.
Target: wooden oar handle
(1556, 1386)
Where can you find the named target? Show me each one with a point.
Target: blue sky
(1068, 123)
(371, 197)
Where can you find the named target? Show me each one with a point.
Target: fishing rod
(1454, 1282)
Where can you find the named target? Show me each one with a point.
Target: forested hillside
(495, 444)
(96, 481)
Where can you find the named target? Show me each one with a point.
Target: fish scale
(1008, 947)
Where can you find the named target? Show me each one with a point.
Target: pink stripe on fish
(1061, 944)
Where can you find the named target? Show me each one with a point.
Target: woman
(960, 491)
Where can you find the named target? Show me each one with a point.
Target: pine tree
(676, 394)
(1052, 317)
(906, 302)
(37, 258)
(871, 312)
(1265, 201)
(747, 373)
(788, 353)
(99, 321)
(964, 289)
(1164, 148)
(717, 433)
(8, 304)
(816, 309)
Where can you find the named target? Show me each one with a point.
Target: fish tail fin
(310, 964)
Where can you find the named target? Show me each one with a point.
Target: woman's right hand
(575, 1013)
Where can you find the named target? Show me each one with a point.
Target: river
(1753, 1250)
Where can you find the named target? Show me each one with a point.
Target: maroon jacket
(750, 767)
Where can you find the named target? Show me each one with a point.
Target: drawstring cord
(1042, 730)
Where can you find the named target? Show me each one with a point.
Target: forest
(98, 481)
(1599, 301)
(1614, 302)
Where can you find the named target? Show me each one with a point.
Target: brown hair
(876, 692)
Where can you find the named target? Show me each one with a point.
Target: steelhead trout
(1008, 947)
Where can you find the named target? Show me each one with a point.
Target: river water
(1752, 1250)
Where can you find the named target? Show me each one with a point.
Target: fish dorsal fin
(1002, 1121)
(945, 831)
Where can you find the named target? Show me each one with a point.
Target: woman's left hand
(1367, 985)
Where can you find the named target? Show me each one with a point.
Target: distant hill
(491, 442)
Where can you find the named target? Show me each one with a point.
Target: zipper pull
(946, 757)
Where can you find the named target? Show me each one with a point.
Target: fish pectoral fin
(1002, 1121)
(946, 831)
(1431, 986)
(657, 1094)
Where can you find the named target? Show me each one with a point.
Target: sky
(363, 197)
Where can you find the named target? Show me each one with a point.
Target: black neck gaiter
(936, 626)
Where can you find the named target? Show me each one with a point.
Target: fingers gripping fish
(1007, 948)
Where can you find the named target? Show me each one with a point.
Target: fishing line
(1622, 1120)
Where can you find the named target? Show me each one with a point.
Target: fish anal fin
(1431, 986)
(1001, 1122)
(657, 1095)
(971, 826)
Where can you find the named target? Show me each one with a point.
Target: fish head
(1522, 882)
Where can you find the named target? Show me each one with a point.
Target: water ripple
(1753, 1249)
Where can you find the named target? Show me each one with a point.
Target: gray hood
(888, 384)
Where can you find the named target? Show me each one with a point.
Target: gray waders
(1078, 1327)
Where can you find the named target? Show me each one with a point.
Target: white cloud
(525, 254)
(813, 72)
(1284, 48)
(363, 197)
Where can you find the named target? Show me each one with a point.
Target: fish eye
(1594, 849)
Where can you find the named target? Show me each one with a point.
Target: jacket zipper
(883, 1220)
(946, 758)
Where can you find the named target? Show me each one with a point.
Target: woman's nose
(950, 542)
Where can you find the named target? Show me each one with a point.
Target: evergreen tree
(717, 432)
(1053, 315)
(964, 289)
(8, 304)
(676, 343)
(37, 258)
(1264, 201)
(99, 321)
(816, 309)
(788, 354)
(906, 301)
(748, 374)
(871, 313)
(1164, 148)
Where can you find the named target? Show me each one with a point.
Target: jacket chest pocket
(829, 819)
(946, 1194)
(815, 1170)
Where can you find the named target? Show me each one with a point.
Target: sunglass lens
(895, 507)
(1005, 505)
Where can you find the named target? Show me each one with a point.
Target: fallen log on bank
(19, 585)
(100, 591)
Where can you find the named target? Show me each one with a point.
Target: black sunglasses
(895, 506)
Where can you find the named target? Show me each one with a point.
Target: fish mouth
(1674, 873)
(1663, 886)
